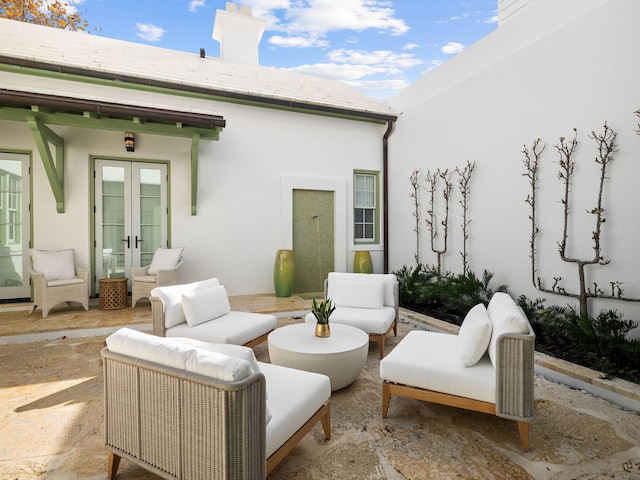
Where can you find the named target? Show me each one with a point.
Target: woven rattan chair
(47, 293)
(142, 282)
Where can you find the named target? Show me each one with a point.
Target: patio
(51, 415)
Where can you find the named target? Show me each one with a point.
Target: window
(365, 215)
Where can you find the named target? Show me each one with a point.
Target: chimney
(239, 34)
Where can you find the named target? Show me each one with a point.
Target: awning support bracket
(53, 166)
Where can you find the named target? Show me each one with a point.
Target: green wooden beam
(195, 149)
(54, 167)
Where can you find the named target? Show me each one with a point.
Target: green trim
(202, 93)
(92, 120)
(376, 233)
(43, 135)
(195, 146)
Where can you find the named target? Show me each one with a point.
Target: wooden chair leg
(380, 341)
(386, 398)
(523, 427)
(113, 461)
(326, 425)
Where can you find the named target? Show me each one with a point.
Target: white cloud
(338, 71)
(410, 46)
(299, 42)
(452, 48)
(491, 20)
(384, 58)
(194, 5)
(322, 16)
(149, 32)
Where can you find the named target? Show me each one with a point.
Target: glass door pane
(14, 226)
(151, 210)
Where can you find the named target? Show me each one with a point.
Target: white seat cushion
(145, 279)
(171, 297)
(430, 360)
(235, 327)
(62, 283)
(370, 320)
(55, 265)
(293, 396)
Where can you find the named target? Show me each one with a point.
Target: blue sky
(378, 46)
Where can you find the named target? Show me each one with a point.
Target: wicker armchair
(47, 293)
(142, 282)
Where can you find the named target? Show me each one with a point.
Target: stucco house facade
(258, 159)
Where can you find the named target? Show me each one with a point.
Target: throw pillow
(506, 317)
(55, 265)
(165, 259)
(171, 297)
(358, 294)
(204, 305)
(474, 335)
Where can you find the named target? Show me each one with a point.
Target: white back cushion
(388, 279)
(349, 293)
(55, 265)
(204, 305)
(171, 297)
(173, 353)
(474, 335)
(506, 317)
(165, 259)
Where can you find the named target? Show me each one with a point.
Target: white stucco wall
(239, 225)
(553, 67)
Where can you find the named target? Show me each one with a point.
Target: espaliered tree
(464, 178)
(433, 178)
(416, 212)
(606, 149)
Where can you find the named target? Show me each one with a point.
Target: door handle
(128, 240)
(138, 240)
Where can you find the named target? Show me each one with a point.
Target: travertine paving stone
(51, 420)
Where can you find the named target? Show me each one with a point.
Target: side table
(113, 293)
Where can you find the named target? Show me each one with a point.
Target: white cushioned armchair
(368, 301)
(201, 310)
(487, 367)
(163, 270)
(57, 279)
(185, 409)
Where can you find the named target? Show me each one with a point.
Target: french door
(15, 223)
(131, 218)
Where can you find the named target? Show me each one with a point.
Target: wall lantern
(129, 141)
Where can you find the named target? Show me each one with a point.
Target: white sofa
(201, 310)
(487, 367)
(185, 409)
(368, 301)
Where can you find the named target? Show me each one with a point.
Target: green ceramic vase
(362, 262)
(284, 273)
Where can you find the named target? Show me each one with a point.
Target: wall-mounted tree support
(53, 166)
(195, 148)
(416, 213)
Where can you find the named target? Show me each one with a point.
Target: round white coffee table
(341, 356)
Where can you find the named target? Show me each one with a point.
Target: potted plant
(322, 311)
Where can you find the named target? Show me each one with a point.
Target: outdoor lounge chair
(163, 270)
(56, 279)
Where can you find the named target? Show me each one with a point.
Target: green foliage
(323, 310)
(450, 294)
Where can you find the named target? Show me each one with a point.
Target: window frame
(375, 239)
